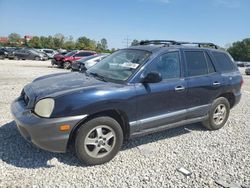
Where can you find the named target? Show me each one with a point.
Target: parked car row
(243, 64)
(7, 52)
(28, 53)
(78, 59)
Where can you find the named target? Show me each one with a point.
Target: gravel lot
(149, 161)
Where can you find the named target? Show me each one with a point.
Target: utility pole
(127, 41)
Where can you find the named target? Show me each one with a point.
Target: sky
(219, 21)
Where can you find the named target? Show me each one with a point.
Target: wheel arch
(230, 97)
(117, 114)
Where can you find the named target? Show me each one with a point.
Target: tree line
(240, 50)
(59, 41)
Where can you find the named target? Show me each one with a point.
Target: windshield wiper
(98, 76)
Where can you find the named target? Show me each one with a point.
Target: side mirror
(152, 77)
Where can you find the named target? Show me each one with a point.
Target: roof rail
(173, 42)
(146, 42)
(199, 44)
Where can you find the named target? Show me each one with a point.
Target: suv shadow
(18, 152)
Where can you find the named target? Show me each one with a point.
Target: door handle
(179, 88)
(216, 83)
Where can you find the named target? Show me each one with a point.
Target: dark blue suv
(151, 87)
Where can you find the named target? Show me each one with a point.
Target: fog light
(64, 127)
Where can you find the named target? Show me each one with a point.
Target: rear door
(164, 102)
(203, 82)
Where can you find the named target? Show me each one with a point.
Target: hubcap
(219, 114)
(100, 141)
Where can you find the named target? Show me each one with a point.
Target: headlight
(44, 107)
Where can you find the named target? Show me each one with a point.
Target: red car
(66, 60)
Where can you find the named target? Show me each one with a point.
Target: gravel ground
(149, 161)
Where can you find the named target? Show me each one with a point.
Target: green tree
(50, 42)
(240, 50)
(134, 42)
(58, 40)
(104, 44)
(43, 42)
(69, 44)
(84, 43)
(35, 42)
(14, 38)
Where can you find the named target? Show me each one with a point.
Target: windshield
(70, 53)
(120, 65)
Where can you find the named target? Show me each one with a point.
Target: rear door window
(196, 63)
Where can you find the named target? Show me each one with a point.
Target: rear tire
(2, 57)
(98, 140)
(218, 114)
(37, 58)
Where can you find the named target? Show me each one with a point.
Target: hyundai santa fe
(151, 87)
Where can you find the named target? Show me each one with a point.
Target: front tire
(37, 58)
(98, 140)
(66, 65)
(218, 114)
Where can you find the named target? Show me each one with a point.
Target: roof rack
(147, 42)
(172, 42)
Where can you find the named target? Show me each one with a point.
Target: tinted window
(196, 63)
(87, 53)
(209, 64)
(70, 53)
(168, 65)
(223, 61)
(83, 54)
(48, 51)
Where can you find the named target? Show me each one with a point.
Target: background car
(240, 63)
(73, 56)
(65, 61)
(10, 51)
(58, 58)
(3, 53)
(29, 53)
(87, 62)
(49, 52)
(247, 70)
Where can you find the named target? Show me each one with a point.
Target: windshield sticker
(129, 65)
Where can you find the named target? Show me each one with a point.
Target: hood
(58, 57)
(59, 84)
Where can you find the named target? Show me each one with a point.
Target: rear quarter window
(223, 61)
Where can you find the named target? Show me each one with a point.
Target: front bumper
(43, 132)
(55, 62)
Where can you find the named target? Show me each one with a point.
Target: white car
(49, 52)
(87, 62)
